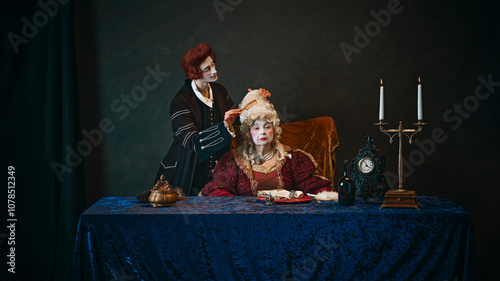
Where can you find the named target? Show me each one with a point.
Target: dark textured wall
(294, 49)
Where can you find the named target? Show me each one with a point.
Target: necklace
(268, 156)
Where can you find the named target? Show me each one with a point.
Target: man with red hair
(202, 114)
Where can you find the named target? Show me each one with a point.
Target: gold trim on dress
(265, 170)
(247, 168)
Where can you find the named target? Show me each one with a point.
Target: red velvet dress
(234, 176)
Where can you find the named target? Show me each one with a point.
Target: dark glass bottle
(346, 187)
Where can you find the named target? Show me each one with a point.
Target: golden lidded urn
(163, 195)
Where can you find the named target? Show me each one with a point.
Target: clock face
(366, 165)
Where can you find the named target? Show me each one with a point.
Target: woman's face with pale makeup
(262, 132)
(208, 70)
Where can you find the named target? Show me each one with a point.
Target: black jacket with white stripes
(195, 142)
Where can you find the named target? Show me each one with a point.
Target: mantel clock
(368, 172)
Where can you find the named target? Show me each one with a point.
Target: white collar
(208, 101)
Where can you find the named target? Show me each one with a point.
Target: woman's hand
(263, 92)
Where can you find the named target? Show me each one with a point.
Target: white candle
(381, 109)
(419, 101)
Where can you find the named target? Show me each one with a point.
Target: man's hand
(231, 115)
(263, 92)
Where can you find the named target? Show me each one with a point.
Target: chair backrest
(317, 136)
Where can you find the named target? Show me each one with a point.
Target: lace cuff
(230, 130)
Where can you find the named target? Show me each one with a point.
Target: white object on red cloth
(325, 196)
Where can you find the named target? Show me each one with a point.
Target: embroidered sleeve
(304, 174)
(207, 142)
(183, 124)
(211, 140)
(225, 178)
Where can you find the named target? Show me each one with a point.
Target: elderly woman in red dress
(261, 162)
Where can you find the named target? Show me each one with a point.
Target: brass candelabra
(400, 131)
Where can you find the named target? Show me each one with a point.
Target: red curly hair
(193, 58)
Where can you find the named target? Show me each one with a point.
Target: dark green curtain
(40, 138)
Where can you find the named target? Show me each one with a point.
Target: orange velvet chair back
(317, 136)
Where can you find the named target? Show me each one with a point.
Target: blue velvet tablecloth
(240, 238)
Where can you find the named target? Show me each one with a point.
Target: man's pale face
(262, 133)
(208, 70)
